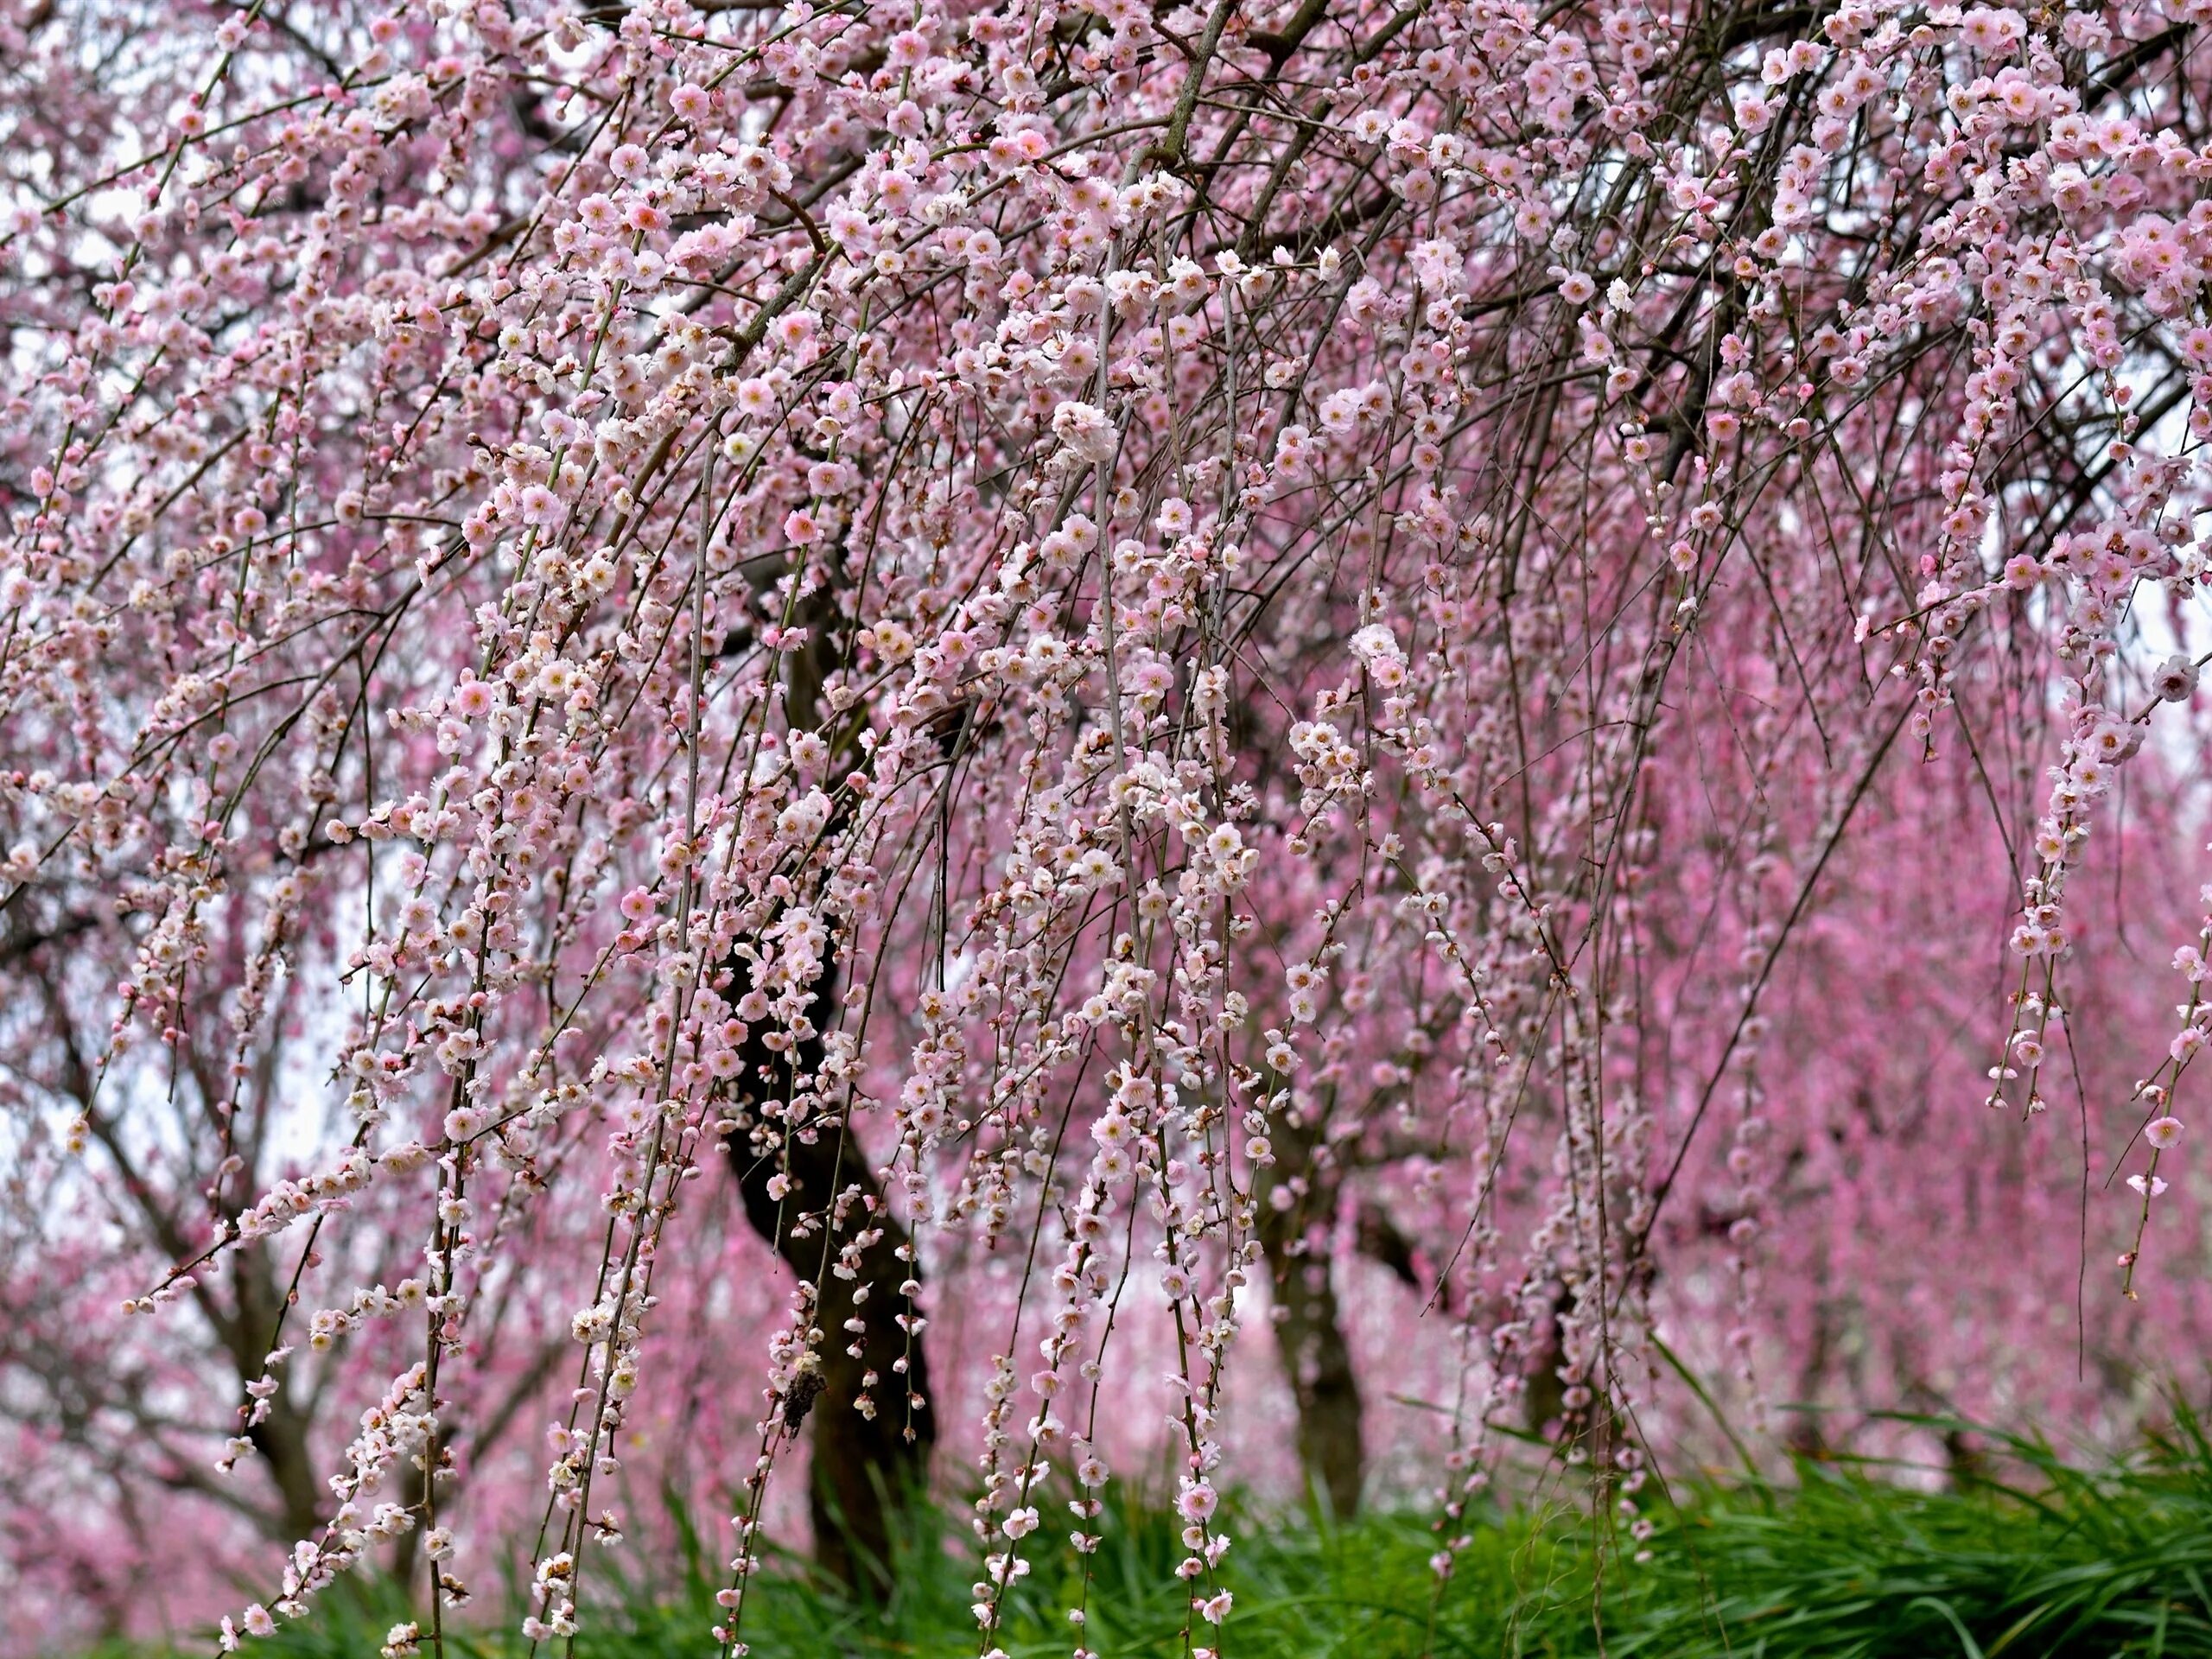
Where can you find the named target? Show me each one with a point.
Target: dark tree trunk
(869, 1467)
(873, 1422)
(1309, 1331)
(1543, 1401)
(281, 1439)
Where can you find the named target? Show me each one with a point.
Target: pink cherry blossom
(720, 723)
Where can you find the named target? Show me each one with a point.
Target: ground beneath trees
(2036, 1559)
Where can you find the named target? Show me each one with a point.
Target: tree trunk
(1543, 1399)
(281, 1439)
(1309, 1331)
(869, 1468)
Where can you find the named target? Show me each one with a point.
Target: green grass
(2049, 1561)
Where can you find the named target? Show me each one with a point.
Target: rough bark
(1309, 1331)
(281, 1439)
(869, 1467)
(1543, 1400)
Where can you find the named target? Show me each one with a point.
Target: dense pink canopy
(709, 703)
